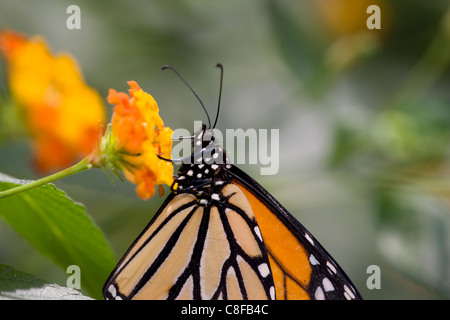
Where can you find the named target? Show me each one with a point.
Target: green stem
(80, 166)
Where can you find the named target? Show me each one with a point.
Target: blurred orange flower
(63, 114)
(347, 17)
(134, 140)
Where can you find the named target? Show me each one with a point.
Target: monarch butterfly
(221, 235)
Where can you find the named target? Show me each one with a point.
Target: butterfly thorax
(204, 173)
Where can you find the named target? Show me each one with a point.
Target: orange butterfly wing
(301, 267)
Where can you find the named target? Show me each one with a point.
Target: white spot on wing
(313, 260)
(319, 295)
(258, 233)
(349, 292)
(215, 196)
(327, 285)
(112, 290)
(331, 267)
(272, 293)
(264, 269)
(309, 238)
(190, 173)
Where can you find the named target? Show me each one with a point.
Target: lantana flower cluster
(134, 140)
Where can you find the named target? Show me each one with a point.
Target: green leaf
(60, 229)
(16, 284)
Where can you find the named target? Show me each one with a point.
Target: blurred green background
(364, 118)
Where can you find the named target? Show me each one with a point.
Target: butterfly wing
(151, 249)
(301, 267)
(192, 251)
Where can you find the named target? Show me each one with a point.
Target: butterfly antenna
(190, 88)
(219, 65)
